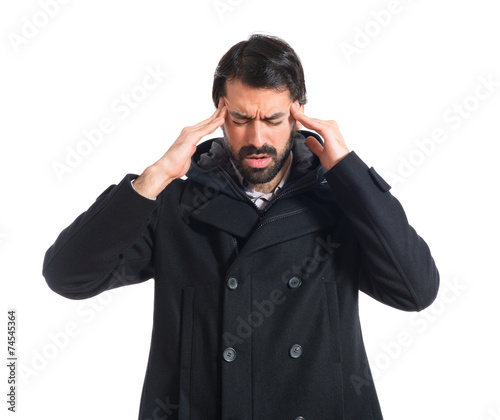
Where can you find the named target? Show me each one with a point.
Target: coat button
(229, 354)
(296, 351)
(232, 283)
(299, 418)
(294, 282)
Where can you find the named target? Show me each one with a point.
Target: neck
(271, 185)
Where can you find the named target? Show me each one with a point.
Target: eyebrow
(242, 116)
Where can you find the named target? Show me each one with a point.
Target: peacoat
(255, 311)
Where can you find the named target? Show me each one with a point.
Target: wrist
(338, 158)
(151, 182)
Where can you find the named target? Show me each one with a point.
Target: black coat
(256, 312)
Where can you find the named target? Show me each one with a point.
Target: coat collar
(214, 196)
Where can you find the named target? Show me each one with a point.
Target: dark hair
(262, 61)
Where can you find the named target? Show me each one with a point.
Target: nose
(255, 133)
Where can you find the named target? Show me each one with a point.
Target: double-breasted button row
(229, 354)
(293, 283)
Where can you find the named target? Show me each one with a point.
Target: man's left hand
(334, 148)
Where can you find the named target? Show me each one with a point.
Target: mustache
(266, 149)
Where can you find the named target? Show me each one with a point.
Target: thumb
(314, 145)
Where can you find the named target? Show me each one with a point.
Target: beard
(260, 175)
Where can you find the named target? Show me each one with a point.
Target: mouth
(257, 161)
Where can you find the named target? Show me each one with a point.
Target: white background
(61, 74)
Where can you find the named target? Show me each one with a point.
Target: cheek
(234, 136)
(284, 133)
(286, 129)
(230, 132)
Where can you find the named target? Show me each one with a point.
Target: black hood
(211, 164)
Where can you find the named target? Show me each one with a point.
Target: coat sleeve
(108, 246)
(396, 265)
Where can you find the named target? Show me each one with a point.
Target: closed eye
(246, 122)
(239, 123)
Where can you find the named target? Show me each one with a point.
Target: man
(258, 255)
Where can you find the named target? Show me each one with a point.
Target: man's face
(258, 130)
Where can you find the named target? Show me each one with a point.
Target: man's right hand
(176, 161)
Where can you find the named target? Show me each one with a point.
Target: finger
(212, 125)
(308, 122)
(215, 115)
(314, 145)
(299, 114)
(219, 116)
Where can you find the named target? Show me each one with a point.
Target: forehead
(249, 100)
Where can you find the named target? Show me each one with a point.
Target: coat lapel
(227, 213)
(288, 219)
